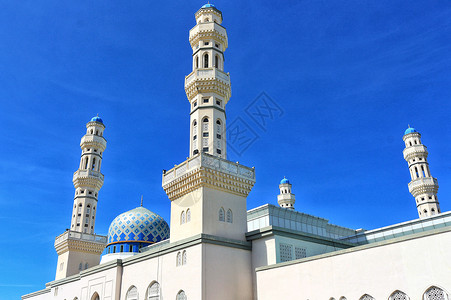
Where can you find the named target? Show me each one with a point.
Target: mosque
(215, 248)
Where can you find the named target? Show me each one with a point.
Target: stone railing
(88, 173)
(207, 27)
(207, 73)
(92, 138)
(212, 162)
(425, 181)
(414, 149)
(75, 235)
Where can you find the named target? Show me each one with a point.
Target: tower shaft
(88, 179)
(423, 186)
(208, 87)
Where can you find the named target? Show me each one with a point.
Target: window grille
(398, 295)
(188, 215)
(285, 252)
(221, 214)
(153, 291)
(184, 258)
(229, 216)
(181, 296)
(366, 297)
(301, 253)
(435, 293)
(182, 218)
(132, 294)
(179, 259)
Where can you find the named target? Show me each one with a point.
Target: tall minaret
(208, 192)
(87, 179)
(423, 186)
(286, 199)
(79, 248)
(208, 87)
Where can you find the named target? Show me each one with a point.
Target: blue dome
(284, 180)
(208, 5)
(138, 225)
(409, 130)
(96, 119)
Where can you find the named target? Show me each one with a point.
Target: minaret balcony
(423, 185)
(88, 178)
(414, 150)
(206, 170)
(208, 80)
(209, 30)
(74, 239)
(93, 140)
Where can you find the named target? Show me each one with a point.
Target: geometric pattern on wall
(435, 293)
(138, 225)
(398, 295)
(299, 252)
(285, 251)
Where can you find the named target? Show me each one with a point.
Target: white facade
(220, 250)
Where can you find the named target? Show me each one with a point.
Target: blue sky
(348, 76)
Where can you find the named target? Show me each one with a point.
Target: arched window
(416, 172)
(398, 295)
(80, 208)
(435, 293)
(229, 216)
(197, 62)
(179, 259)
(95, 297)
(86, 266)
(342, 298)
(206, 60)
(218, 129)
(93, 163)
(188, 215)
(153, 291)
(217, 61)
(184, 257)
(182, 218)
(366, 297)
(221, 214)
(132, 293)
(86, 163)
(88, 209)
(181, 296)
(432, 211)
(80, 267)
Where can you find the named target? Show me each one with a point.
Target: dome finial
(141, 200)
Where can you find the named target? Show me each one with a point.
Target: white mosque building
(216, 249)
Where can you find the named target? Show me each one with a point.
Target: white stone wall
(411, 264)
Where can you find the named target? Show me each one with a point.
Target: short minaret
(286, 199)
(423, 186)
(79, 248)
(208, 87)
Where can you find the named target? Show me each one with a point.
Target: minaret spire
(423, 186)
(208, 87)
